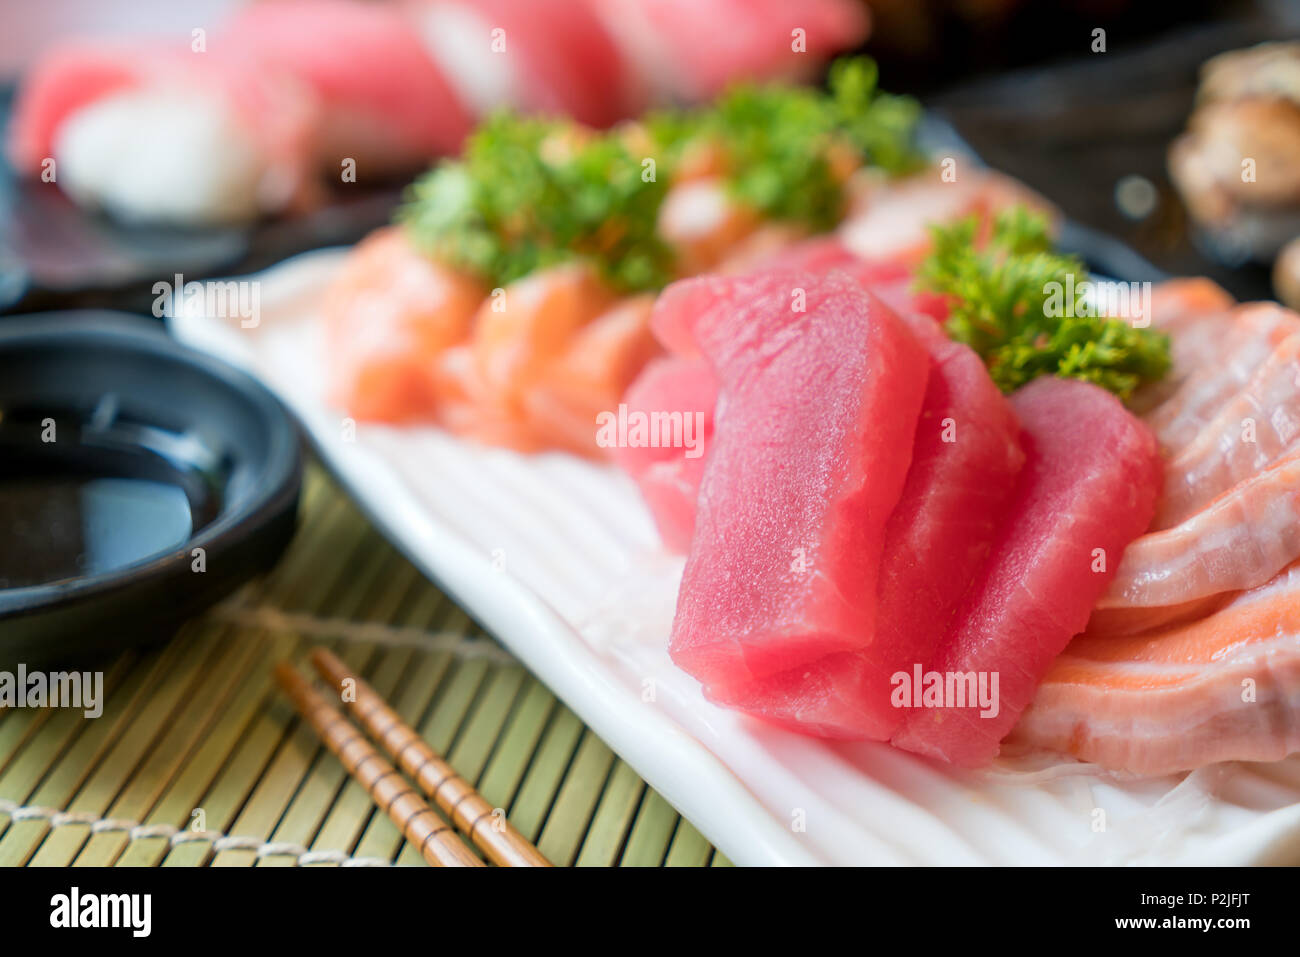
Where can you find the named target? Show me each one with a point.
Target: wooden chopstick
(419, 823)
(464, 806)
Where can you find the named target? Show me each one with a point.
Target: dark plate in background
(1074, 128)
(56, 255)
(121, 452)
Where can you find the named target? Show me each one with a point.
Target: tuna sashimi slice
(669, 476)
(1220, 688)
(813, 437)
(965, 458)
(1088, 488)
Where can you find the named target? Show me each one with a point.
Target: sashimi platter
(860, 518)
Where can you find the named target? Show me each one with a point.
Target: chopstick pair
(417, 821)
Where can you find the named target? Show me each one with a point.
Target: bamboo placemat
(197, 760)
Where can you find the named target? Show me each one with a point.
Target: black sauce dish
(140, 481)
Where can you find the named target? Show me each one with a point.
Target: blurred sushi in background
(255, 115)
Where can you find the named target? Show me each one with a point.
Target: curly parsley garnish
(787, 149)
(528, 192)
(1006, 303)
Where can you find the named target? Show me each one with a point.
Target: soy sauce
(105, 494)
(59, 527)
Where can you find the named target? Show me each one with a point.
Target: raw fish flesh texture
(591, 375)
(890, 219)
(1231, 502)
(1249, 336)
(669, 479)
(386, 102)
(691, 49)
(893, 280)
(530, 368)
(543, 361)
(548, 56)
(1090, 481)
(965, 458)
(389, 315)
(670, 489)
(1239, 540)
(1218, 688)
(1257, 426)
(813, 437)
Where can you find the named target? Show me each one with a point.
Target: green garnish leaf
(1005, 301)
(529, 193)
(780, 142)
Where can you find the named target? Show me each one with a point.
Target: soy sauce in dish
(60, 527)
(106, 495)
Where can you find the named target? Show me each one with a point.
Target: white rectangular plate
(558, 558)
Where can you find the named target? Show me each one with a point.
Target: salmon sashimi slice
(1088, 488)
(521, 330)
(813, 437)
(891, 218)
(1193, 313)
(965, 457)
(1258, 426)
(1220, 688)
(669, 476)
(1253, 332)
(1110, 619)
(389, 314)
(589, 378)
(1240, 540)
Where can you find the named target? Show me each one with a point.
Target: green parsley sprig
(999, 294)
(780, 142)
(528, 193)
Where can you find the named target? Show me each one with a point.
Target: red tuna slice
(965, 458)
(692, 50)
(384, 95)
(669, 477)
(893, 280)
(554, 57)
(813, 437)
(1090, 481)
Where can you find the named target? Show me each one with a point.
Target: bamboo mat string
(176, 836)
(268, 618)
